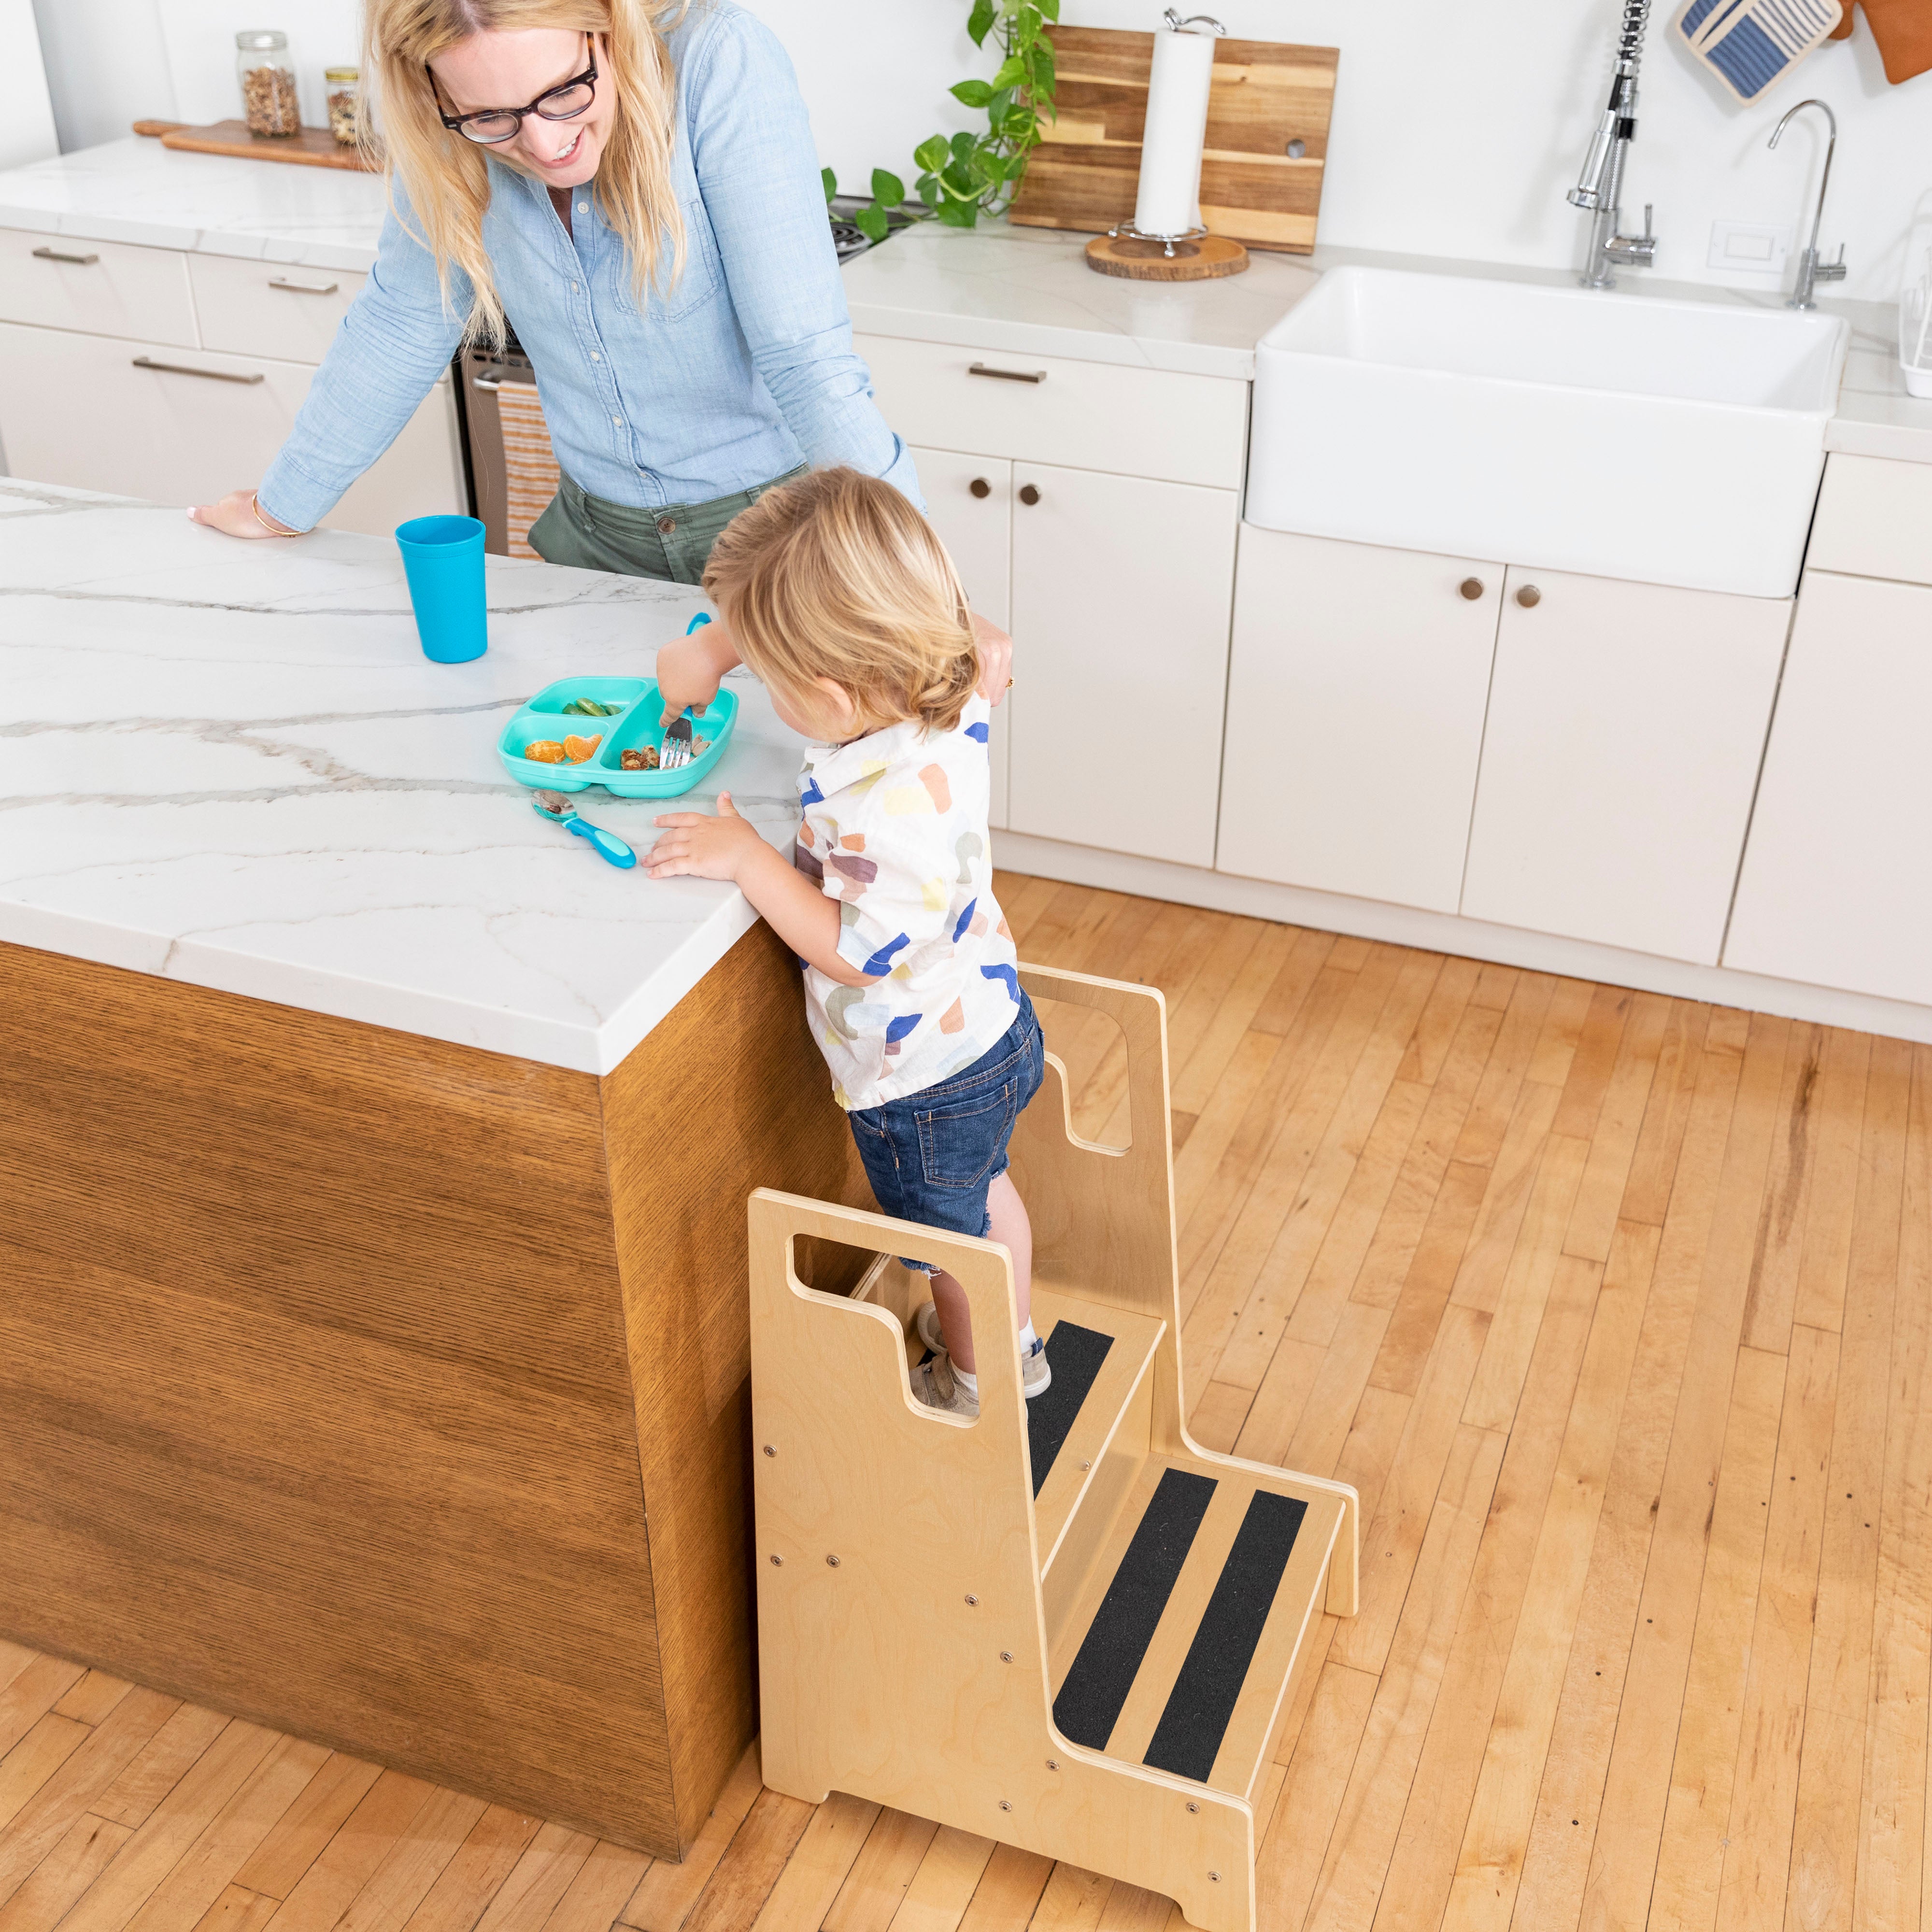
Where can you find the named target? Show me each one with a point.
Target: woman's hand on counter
(236, 516)
(689, 668)
(996, 658)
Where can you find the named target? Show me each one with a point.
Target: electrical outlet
(1750, 247)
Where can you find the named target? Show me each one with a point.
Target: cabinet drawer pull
(1529, 597)
(182, 369)
(980, 486)
(54, 255)
(489, 384)
(1029, 493)
(1008, 375)
(1471, 587)
(303, 288)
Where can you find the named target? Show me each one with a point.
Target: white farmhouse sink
(1620, 436)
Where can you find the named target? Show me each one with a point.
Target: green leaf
(1013, 71)
(980, 20)
(931, 154)
(1031, 20)
(927, 188)
(1019, 124)
(959, 180)
(959, 213)
(972, 93)
(871, 222)
(887, 189)
(1043, 71)
(831, 182)
(1050, 8)
(961, 147)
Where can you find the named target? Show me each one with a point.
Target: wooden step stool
(1065, 1626)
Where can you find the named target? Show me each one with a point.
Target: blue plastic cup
(442, 558)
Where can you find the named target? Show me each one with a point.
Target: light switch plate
(1750, 247)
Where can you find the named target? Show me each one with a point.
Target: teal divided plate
(634, 728)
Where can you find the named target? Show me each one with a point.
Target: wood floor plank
(162, 1763)
(485, 1859)
(1073, 1901)
(1218, 1413)
(1827, 1828)
(1832, 1205)
(1007, 1892)
(1441, 1020)
(90, 1700)
(943, 1887)
(667, 1892)
(1593, 1221)
(25, 1770)
(1289, 1864)
(876, 1887)
(239, 1909)
(1654, 1169)
(397, 1887)
(32, 1694)
(56, 1807)
(76, 1859)
(366, 1837)
(537, 1882)
(736, 1892)
(1495, 1840)
(1690, 1857)
(298, 1837)
(1772, 1297)
(804, 1892)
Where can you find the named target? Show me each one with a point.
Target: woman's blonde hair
(835, 574)
(445, 174)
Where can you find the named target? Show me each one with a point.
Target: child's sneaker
(1035, 1377)
(935, 1383)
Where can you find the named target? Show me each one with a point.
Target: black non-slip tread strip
(1074, 1354)
(1103, 1672)
(1188, 1738)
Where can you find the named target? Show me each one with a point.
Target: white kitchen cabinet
(268, 308)
(1121, 594)
(1356, 691)
(90, 411)
(101, 288)
(1626, 725)
(970, 500)
(1837, 884)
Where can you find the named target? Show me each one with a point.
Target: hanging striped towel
(528, 460)
(1749, 44)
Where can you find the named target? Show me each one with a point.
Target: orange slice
(576, 749)
(545, 750)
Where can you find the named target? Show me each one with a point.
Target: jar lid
(341, 74)
(268, 40)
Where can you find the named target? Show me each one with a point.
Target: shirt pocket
(701, 283)
(958, 1143)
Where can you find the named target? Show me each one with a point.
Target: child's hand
(687, 674)
(699, 847)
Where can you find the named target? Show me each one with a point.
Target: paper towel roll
(1169, 199)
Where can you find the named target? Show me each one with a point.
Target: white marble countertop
(230, 764)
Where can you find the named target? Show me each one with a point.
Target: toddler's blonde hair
(836, 574)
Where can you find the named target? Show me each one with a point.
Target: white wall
(1457, 129)
(26, 112)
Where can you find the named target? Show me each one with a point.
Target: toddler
(836, 592)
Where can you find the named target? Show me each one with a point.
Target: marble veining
(230, 764)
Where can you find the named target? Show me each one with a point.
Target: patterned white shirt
(896, 830)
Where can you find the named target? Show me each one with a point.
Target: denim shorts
(932, 1156)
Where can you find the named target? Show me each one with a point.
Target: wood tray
(310, 148)
(1266, 97)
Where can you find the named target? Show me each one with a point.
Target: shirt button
(595, 357)
(584, 208)
(666, 524)
(573, 288)
(618, 420)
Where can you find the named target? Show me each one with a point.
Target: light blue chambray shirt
(745, 370)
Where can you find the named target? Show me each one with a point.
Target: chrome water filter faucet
(1600, 187)
(1810, 271)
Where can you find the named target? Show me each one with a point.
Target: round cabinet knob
(1029, 493)
(1529, 597)
(1471, 587)
(980, 486)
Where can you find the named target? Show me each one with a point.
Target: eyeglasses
(562, 103)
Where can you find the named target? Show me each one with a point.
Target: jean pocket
(958, 1143)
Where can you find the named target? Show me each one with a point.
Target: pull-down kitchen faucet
(1600, 187)
(1810, 270)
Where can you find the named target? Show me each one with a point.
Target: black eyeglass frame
(455, 122)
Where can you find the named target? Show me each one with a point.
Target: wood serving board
(310, 148)
(1266, 95)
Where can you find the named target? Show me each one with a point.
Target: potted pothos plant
(962, 176)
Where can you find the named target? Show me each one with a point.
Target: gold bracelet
(273, 529)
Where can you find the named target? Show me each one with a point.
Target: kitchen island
(373, 1357)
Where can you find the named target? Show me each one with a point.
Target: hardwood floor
(1613, 1307)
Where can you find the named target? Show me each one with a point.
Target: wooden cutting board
(312, 147)
(1266, 99)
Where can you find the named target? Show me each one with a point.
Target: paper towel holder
(1183, 255)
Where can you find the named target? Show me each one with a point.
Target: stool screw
(1192, 1806)
(1004, 1806)
(833, 1561)
(1053, 1764)
(776, 1561)
(1006, 1657)
(1083, 1466)
(1216, 1876)
(769, 1451)
(973, 1599)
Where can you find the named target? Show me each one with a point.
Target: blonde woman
(633, 184)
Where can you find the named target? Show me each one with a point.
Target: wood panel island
(373, 1358)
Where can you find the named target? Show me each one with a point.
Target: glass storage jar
(345, 102)
(267, 79)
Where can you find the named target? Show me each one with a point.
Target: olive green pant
(673, 544)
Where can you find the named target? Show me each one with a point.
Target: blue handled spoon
(554, 806)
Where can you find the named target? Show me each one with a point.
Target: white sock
(1027, 1338)
(969, 1383)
